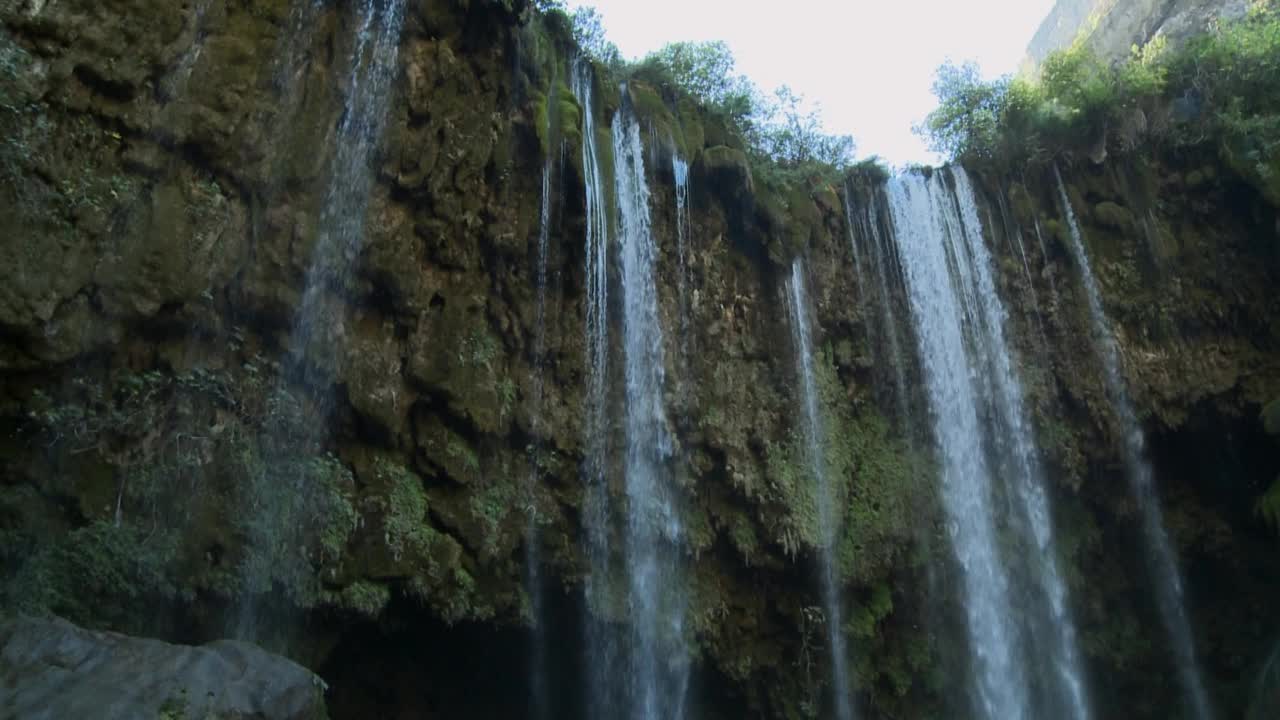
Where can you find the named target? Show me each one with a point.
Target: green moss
(217, 458)
(1111, 215)
(364, 598)
(101, 576)
(791, 480)
(570, 114)
(726, 159)
(406, 530)
(297, 520)
(695, 136)
(491, 505)
(652, 110)
(742, 533)
(449, 451)
(646, 102)
(868, 615)
(541, 120)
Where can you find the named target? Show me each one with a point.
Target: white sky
(869, 63)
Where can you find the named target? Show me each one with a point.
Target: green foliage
(590, 36)
(506, 388)
(297, 522)
(881, 486)
(779, 128)
(1222, 86)
(969, 111)
(102, 575)
(870, 171)
(430, 561)
(479, 349)
(364, 598)
(213, 458)
(490, 506)
(788, 130)
(706, 70)
(406, 529)
(863, 621)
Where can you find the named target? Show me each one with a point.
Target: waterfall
(318, 325)
(657, 668)
(814, 444)
(601, 651)
(1021, 464)
(860, 274)
(1163, 563)
(538, 695)
(341, 224)
(986, 452)
(680, 172)
(869, 220)
(173, 84)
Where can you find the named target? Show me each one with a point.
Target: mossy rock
(716, 132)
(728, 168)
(568, 114)
(695, 135)
(651, 110)
(447, 450)
(1256, 165)
(541, 120)
(805, 219)
(1109, 214)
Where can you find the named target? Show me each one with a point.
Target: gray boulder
(51, 669)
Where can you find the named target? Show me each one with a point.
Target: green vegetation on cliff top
(709, 100)
(1221, 88)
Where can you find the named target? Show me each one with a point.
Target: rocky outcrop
(52, 669)
(1112, 27)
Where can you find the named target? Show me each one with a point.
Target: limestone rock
(53, 669)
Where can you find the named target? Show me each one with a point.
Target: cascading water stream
(311, 362)
(680, 172)
(1020, 460)
(917, 206)
(539, 692)
(342, 219)
(859, 272)
(601, 650)
(814, 443)
(870, 222)
(657, 670)
(1163, 563)
(969, 378)
(174, 83)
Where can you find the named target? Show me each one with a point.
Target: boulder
(52, 669)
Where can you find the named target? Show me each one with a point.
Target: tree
(790, 131)
(589, 33)
(966, 122)
(706, 70)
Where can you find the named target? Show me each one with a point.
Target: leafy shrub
(99, 576)
(779, 128)
(1221, 86)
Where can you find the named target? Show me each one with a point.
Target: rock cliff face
(164, 168)
(1112, 27)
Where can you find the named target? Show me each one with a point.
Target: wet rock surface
(51, 669)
